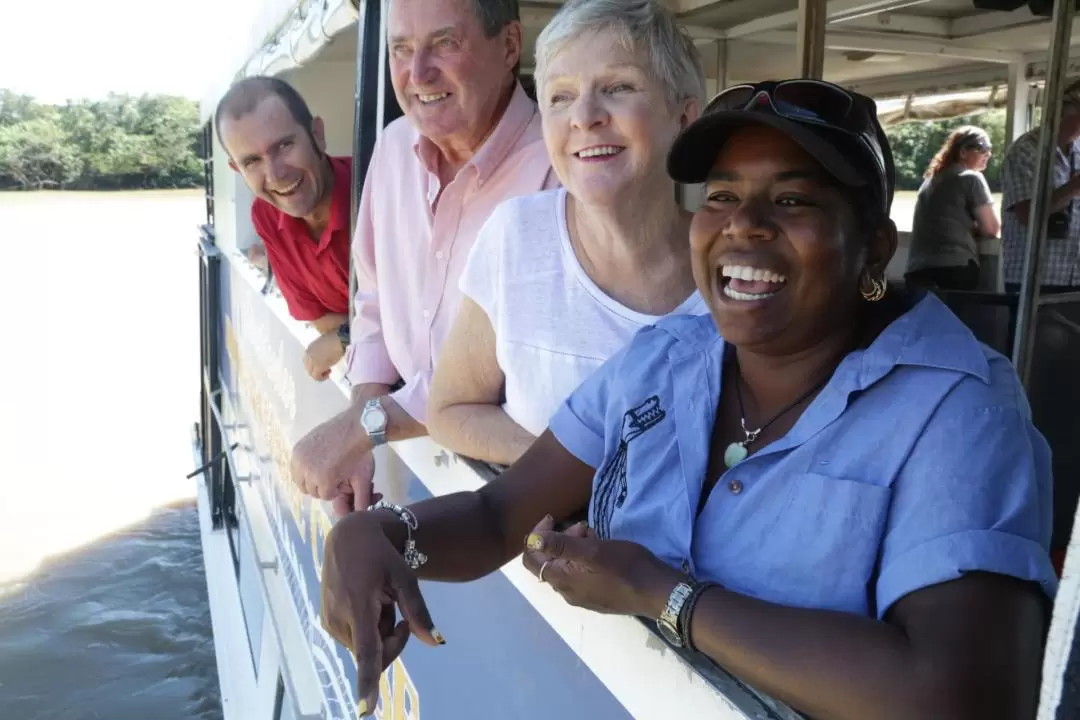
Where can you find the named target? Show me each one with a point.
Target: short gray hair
(494, 15)
(645, 27)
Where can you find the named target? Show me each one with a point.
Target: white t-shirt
(553, 325)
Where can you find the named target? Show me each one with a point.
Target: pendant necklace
(736, 452)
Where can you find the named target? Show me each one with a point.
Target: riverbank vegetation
(119, 143)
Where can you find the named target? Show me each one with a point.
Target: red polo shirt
(313, 277)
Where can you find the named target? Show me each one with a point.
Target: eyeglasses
(807, 101)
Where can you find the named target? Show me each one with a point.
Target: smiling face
(607, 123)
(278, 158)
(777, 251)
(448, 76)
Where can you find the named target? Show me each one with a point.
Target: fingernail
(362, 708)
(438, 636)
(534, 542)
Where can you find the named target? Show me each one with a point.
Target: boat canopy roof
(883, 48)
(286, 34)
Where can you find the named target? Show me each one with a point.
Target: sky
(72, 49)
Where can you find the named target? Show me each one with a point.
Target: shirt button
(427, 314)
(438, 254)
(686, 566)
(735, 487)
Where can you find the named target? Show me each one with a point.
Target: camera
(1057, 226)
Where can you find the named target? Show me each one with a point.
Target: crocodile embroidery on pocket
(611, 486)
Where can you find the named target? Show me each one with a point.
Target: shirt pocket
(813, 543)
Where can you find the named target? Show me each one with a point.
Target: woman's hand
(607, 576)
(364, 576)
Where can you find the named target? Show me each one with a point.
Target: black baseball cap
(837, 127)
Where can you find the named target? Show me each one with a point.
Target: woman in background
(953, 212)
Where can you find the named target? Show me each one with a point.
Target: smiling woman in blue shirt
(828, 487)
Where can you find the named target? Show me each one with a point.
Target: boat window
(248, 243)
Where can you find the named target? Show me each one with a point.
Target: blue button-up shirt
(916, 463)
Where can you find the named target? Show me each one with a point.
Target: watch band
(378, 434)
(343, 334)
(668, 622)
(687, 612)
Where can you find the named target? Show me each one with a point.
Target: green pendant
(736, 452)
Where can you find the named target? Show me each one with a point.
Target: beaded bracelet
(412, 556)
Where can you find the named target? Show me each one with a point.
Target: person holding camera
(1060, 270)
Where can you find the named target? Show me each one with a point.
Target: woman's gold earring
(877, 287)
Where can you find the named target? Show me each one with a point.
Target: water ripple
(126, 618)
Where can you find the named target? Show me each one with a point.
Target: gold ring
(542, 569)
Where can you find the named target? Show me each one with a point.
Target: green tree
(119, 142)
(15, 108)
(34, 155)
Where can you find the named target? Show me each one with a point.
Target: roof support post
(1016, 107)
(1027, 313)
(721, 64)
(811, 40)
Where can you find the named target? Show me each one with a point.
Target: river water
(103, 609)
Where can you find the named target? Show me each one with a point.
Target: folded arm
(464, 407)
(329, 322)
(969, 648)
(987, 224)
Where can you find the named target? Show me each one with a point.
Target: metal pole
(721, 65)
(1028, 310)
(811, 43)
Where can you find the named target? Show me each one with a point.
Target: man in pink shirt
(470, 139)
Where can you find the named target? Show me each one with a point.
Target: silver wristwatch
(373, 419)
(668, 622)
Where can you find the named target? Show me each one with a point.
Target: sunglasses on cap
(812, 102)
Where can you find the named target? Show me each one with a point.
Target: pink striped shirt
(413, 236)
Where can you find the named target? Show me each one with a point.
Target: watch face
(669, 634)
(374, 420)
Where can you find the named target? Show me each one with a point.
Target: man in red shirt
(302, 205)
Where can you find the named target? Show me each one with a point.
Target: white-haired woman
(559, 281)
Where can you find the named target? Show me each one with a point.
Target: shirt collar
(515, 120)
(928, 335)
